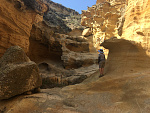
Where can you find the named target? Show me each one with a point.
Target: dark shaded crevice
(121, 26)
(39, 52)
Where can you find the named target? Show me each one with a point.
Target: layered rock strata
(16, 22)
(64, 54)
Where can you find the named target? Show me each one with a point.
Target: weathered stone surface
(96, 95)
(49, 101)
(17, 73)
(125, 56)
(14, 55)
(71, 51)
(37, 5)
(61, 18)
(63, 54)
(16, 21)
(136, 26)
(56, 76)
(75, 32)
(125, 86)
(87, 32)
(104, 19)
(76, 53)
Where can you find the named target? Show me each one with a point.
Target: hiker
(101, 62)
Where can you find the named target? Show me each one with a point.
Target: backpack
(101, 57)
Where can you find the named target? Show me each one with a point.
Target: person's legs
(102, 71)
(101, 68)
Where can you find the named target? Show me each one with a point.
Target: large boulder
(17, 73)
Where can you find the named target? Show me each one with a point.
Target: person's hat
(101, 51)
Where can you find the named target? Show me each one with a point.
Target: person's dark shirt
(101, 57)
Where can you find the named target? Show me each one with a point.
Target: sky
(77, 5)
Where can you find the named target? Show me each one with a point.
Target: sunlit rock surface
(61, 18)
(125, 85)
(104, 19)
(136, 26)
(16, 23)
(17, 73)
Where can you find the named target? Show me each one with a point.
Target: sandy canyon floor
(129, 93)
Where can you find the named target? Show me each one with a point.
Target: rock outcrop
(104, 19)
(122, 19)
(136, 26)
(125, 86)
(22, 24)
(17, 73)
(128, 20)
(65, 55)
(61, 18)
(38, 37)
(16, 22)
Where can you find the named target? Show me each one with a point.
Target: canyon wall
(103, 18)
(61, 18)
(136, 26)
(127, 19)
(122, 27)
(42, 28)
(16, 21)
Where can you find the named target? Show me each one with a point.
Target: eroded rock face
(104, 19)
(125, 56)
(136, 26)
(64, 54)
(70, 51)
(37, 5)
(16, 23)
(123, 19)
(62, 18)
(17, 73)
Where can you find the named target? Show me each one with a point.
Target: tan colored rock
(107, 94)
(104, 18)
(16, 24)
(87, 32)
(77, 53)
(136, 26)
(100, 1)
(75, 32)
(71, 51)
(63, 55)
(125, 86)
(17, 73)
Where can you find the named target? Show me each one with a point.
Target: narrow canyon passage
(51, 63)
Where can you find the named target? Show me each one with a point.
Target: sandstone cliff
(23, 25)
(122, 27)
(103, 18)
(16, 22)
(65, 55)
(125, 86)
(136, 26)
